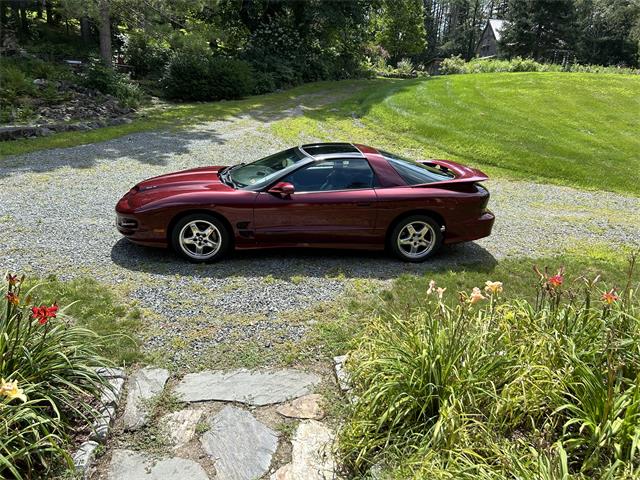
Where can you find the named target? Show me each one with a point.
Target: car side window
(328, 175)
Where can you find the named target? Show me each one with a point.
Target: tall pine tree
(541, 29)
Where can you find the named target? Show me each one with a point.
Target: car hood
(205, 178)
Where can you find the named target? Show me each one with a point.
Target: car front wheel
(416, 238)
(200, 238)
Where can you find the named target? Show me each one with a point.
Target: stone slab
(306, 407)
(129, 465)
(144, 385)
(180, 426)
(250, 387)
(239, 445)
(83, 457)
(312, 454)
(341, 374)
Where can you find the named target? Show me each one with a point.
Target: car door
(334, 203)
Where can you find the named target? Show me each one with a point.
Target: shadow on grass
(287, 264)
(158, 144)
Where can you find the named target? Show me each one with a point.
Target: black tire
(425, 247)
(212, 246)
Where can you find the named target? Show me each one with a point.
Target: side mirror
(282, 189)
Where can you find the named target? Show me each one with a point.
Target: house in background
(488, 44)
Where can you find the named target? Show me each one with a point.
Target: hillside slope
(566, 128)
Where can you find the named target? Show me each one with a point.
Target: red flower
(12, 279)
(610, 297)
(12, 298)
(556, 280)
(43, 313)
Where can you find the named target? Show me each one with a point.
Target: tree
(539, 28)
(104, 28)
(607, 31)
(400, 28)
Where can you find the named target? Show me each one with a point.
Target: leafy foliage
(49, 381)
(456, 64)
(108, 81)
(196, 76)
(461, 387)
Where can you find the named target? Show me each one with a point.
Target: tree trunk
(85, 29)
(49, 11)
(24, 21)
(39, 9)
(104, 27)
(3, 14)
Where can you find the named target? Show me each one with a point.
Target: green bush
(194, 76)
(473, 386)
(13, 84)
(452, 65)
(48, 382)
(146, 55)
(109, 81)
(456, 65)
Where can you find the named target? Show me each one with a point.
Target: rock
(111, 396)
(43, 132)
(111, 372)
(307, 407)
(40, 82)
(341, 373)
(181, 426)
(129, 465)
(253, 388)
(102, 425)
(283, 473)
(240, 445)
(311, 456)
(83, 458)
(145, 384)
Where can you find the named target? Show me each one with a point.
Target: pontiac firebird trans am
(328, 195)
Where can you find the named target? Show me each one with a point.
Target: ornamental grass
(481, 386)
(49, 388)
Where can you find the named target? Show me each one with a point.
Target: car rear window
(415, 173)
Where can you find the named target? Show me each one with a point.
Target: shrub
(194, 76)
(456, 65)
(405, 67)
(475, 386)
(13, 83)
(48, 382)
(111, 82)
(146, 55)
(452, 65)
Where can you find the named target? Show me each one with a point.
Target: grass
(577, 129)
(95, 306)
(175, 116)
(539, 382)
(564, 128)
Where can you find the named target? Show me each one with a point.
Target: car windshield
(261, 172)
(415, 173)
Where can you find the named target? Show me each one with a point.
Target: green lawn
(566, 128)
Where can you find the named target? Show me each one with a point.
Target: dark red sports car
(332, 195)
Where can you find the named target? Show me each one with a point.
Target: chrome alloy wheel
(416, 239)
(200, 239)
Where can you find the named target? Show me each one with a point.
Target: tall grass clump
(456, 64)
(477, 386)
(49, 387)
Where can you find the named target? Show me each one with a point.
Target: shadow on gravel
(285, 264)
(151, 148)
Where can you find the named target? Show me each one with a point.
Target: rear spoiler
(462, 174)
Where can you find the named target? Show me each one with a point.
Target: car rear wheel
(416, 238)
(200, 238)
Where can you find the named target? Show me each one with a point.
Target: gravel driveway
(56, 216)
